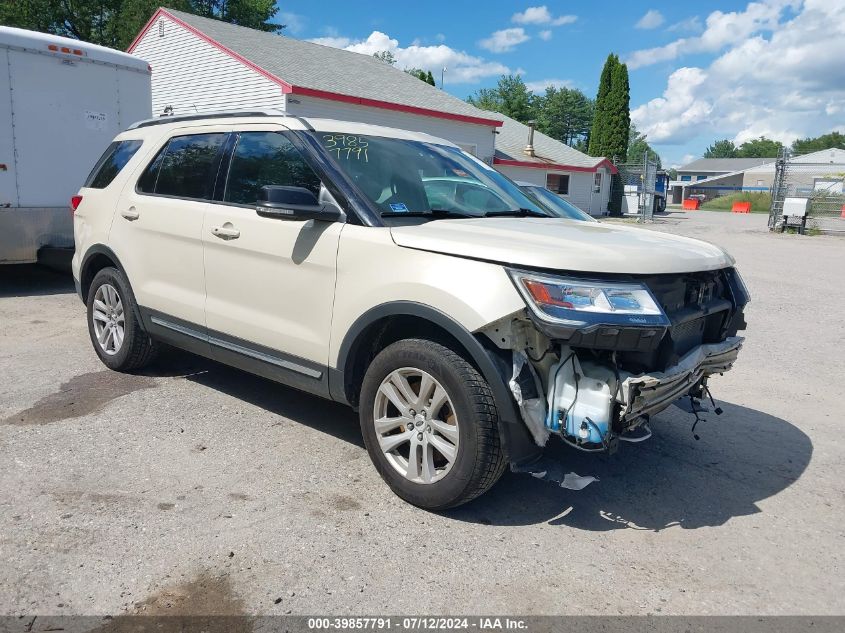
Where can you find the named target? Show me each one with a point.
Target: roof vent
(529, 149)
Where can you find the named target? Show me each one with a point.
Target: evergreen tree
(430, 79)
(612, 121)
(115, 23)
(637, 148)
(597, 132)
(564, 114)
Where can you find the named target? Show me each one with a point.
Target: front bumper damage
(651, 393)
(612, 402)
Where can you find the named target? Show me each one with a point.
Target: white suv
(394, 272)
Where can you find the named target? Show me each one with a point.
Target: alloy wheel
(416, 425)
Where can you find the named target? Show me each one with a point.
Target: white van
(62, 101)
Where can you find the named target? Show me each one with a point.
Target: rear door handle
(130, 214)
(226, 232)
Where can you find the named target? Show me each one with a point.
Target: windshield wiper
(433, 213)
(516, 213)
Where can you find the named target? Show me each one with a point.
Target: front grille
(687, 335)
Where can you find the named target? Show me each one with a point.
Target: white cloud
(545, 35)
(505, 40)
(722, 30)
(789, 85)
(462, 68)
(541, 15)
(689, 25)
(539, 87)
(293, 22)
(651, 20)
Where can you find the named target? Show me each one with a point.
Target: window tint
(184, 167)
(266, 158)
(114, 159)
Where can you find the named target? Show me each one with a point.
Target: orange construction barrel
(691, 204)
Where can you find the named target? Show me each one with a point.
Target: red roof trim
(388, 105)
(311, 92)
(162, 11)
(524, 163)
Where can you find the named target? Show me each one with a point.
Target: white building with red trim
(201, 65)
(530, 156)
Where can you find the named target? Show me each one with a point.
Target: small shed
(527, 155)
(201, 64)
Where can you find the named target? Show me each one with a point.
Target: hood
(558, 244)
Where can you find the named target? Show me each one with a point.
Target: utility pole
(442, 71)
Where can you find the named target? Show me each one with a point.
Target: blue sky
(699, 71)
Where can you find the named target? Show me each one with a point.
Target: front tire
(116, 334)
(430, 425)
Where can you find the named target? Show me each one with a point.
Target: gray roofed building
(304, 67)
(512, 140)
(722, 165)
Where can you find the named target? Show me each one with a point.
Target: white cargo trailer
(61, 103)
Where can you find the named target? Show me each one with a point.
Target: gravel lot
(198, 489)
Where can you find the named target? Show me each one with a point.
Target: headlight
(579, 303)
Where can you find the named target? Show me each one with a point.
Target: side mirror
(294, 203)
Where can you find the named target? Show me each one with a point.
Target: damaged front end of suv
(593, 357)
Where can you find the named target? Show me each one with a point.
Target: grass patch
(760, 201)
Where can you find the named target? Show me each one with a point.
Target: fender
(517, 443)
(101, 249)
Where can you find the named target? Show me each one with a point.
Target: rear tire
(116, 334)
(447, 420)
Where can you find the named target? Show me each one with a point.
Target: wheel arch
(390, 322)
(97, 257)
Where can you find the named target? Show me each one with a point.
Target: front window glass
(266, 158)
(558, 205)
(415, 178)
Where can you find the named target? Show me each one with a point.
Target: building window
(686, 178)
(559, 183)
(597, 182)
(700, 177)
(761, 183)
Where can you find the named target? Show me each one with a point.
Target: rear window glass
(114, 159)
(184, 168)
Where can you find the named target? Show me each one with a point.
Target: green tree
(386, 56)
(115, 23)
(564, 114)
(511, 97)
(759, 148)
(638, 146)
(814, 144)
(612, 121)
(420, 74)
(721, 149)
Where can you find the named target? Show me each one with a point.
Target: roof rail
(222, 114)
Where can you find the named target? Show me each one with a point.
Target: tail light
(74, 203)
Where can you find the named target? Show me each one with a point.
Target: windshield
(557, 205)
(404, 178)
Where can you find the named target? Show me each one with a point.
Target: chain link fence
(814, 183)
(636, 189)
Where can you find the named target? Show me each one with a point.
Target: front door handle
(130, 214)
(226, 232)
